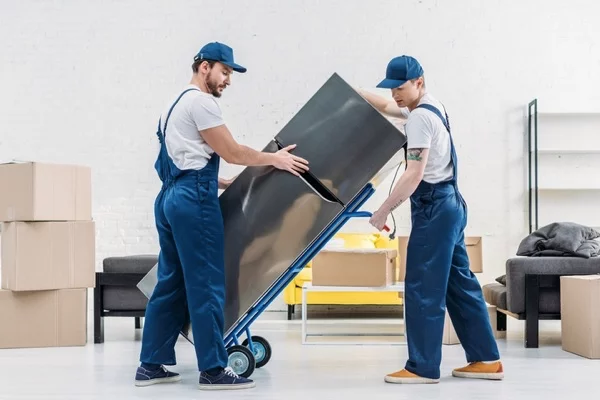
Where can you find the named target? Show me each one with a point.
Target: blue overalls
(438, 276)
(190, 265)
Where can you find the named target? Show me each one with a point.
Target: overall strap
(437, 112)
(164, 130)
(446, 123)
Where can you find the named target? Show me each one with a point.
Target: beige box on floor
(474, 252)
(32, 191)
(354, 267)
(579, 315)
(450, 336)
(48, 255)
(54, 318)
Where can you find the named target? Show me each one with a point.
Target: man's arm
(409, 180)
(222, 142)
(384, 106)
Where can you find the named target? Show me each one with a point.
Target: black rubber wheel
(262, 350)
(241, 360)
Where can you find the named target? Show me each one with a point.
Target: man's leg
(165, 312)
(198, 226)
(429, 255)
(470, 318)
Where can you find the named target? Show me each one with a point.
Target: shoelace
(230, 372)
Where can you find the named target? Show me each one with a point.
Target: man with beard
(193, 137)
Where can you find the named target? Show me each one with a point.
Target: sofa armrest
(518, 267)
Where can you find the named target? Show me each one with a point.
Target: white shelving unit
(564, 167)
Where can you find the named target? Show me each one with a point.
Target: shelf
(566, 151)
(550, 113)
(569, 172)
(565, 188)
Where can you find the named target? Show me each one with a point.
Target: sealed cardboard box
(580, 316)
(54, 318)
(474, 252)
(32, 191)
(48, 255)
(450, 336)
(354, 267)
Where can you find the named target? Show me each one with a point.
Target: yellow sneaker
(481, 370)
(405, 376)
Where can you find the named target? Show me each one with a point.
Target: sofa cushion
(132, 264)
(495, 295)
(118, 298)
(501, 280)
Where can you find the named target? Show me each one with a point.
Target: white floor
(295, 371)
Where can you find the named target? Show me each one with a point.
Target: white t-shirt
(424, 129)
(194, 112)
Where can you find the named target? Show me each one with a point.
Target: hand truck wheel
(262, 350)
(241, 360)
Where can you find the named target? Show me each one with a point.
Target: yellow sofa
(292, 294)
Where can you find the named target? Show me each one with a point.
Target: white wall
(84, 82)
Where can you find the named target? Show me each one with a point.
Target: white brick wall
(84, 82)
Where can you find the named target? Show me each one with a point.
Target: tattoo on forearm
(414, 154)
(397, 205)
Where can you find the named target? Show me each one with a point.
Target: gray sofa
(116, 293)
(530, 290)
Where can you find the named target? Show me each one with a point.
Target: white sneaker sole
(494, 376)
(228, 387)
(171, 379)
(391, 379)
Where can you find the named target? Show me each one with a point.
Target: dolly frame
(242, 326)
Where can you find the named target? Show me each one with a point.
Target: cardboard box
(31, 191)
(48, 255)
(55, 318)
(580, 316)
(354, 267)
(450, 336)
(474, 252)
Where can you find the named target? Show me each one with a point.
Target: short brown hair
(197, 63)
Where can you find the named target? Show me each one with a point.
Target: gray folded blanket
(566, 239)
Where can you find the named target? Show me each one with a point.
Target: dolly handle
(365, 214)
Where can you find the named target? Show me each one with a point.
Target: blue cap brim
(235, 67)
(390, 83)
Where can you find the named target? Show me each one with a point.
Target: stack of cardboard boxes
(47, 254)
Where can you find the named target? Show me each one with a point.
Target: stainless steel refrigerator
(271, 217)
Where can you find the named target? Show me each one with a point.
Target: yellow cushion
(358, 240)
(303, 276)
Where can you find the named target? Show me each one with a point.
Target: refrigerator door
(270, 218)
(344, 138)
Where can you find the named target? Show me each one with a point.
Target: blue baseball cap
(399, 71)
(220, 52)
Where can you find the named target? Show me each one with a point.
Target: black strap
(164, 131)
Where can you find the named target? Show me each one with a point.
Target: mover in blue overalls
(437, 266)
(193, 137)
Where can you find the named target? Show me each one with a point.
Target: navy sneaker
(146, 377)
(226, 380)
